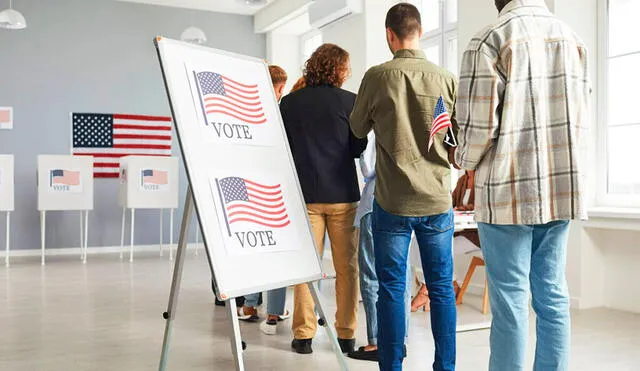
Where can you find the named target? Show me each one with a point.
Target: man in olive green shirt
(409, 103)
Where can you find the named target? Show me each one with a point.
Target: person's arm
(360, 119)
(454, 124)
(368, 158)
(478, 107)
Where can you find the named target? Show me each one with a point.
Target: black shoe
(347, 345)
(364, 355)
(302, 346)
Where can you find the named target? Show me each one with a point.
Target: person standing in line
(407, 101)
(316, 119)
(366, 257)
(276, 298)
(523, 107)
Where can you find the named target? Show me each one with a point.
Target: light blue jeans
(276, 300)
(369, 281)
(520, 258)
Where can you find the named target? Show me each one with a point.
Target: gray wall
(91, 56)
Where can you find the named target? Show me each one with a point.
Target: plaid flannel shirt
(523, 107)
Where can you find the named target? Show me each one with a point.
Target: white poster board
(247, 197)
(65, 182)
(148, 182)
(6, 183)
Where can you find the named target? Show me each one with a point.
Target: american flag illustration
(107, 137)
(150, 176)
(221, 95)
(441, 120)
(64, 177)
(251, 202)
(5, 115)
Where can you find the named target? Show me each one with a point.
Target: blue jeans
(369, 281)
(519, 258)
(392, 236)
(276, 300)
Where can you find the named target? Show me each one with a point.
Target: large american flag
(251, 202)
(222, 95)
(441, 120)
(107, 137)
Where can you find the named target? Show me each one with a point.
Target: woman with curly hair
(316, 119)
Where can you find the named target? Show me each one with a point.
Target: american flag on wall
(251, 202)
(222, 95)
(107, 137)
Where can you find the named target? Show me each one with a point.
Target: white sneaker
(269, 327)
(284, 316)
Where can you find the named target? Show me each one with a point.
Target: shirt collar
(410, 53)
(516, 4)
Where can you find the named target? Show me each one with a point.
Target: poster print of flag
(158, 177)
(222, 95)
(252, 202)
(107, 137)
(64, 177)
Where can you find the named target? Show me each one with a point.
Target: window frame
(441, 36)
(603, 198)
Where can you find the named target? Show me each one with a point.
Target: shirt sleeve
(368, 158)
(360, 119)
(477, 108)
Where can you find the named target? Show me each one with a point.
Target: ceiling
(221, 6)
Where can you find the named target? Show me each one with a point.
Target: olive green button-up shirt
(397, 101)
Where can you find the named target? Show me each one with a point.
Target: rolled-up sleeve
(477, 108)
(360, 119)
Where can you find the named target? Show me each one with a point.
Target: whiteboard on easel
(6, 183)
(246, 191)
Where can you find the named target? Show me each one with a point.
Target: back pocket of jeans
(442, 222)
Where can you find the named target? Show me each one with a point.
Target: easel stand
(236, 341)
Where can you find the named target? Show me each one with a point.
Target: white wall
(284, 50)
(349, 34)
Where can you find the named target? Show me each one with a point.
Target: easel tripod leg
(330, 334)
(236, 340)
(169, 315)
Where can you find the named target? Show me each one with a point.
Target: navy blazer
(316, 120)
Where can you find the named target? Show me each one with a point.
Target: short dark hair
(404, 20)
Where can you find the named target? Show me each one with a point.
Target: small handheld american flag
(441, 120)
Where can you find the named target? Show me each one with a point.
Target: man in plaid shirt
(523, 108)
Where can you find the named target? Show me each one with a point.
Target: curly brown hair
(328, 65)
(300, 84)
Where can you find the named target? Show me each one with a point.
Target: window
(439, 24)
(620, 78)
(310, 42)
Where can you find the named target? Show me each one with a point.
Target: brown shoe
(248, 314)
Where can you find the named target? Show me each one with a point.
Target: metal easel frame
(236, 341)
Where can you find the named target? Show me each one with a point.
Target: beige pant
(337, 220)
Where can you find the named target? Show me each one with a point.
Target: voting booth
(6, 197)
(65, 183)
(242, 181)
(148, 182)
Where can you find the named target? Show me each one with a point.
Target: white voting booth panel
(6, 197)
(65, 183)
(148, 182)
(6, 183)
(242, 176)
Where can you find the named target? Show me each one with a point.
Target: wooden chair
(477, 261)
